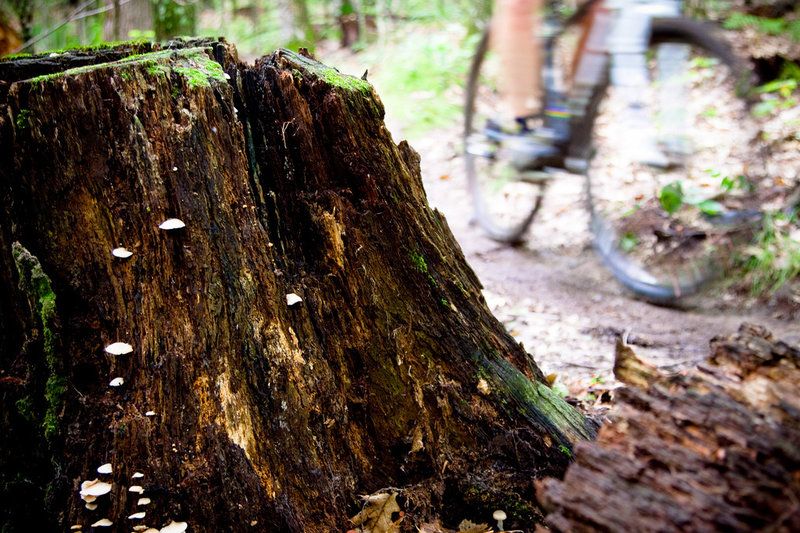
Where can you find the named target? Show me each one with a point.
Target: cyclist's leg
(515, 30)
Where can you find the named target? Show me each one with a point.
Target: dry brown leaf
(376, 516)
(469, 527)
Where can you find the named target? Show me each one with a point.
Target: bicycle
(659, 236)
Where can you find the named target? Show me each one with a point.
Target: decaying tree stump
(307, 332)
(715, 449)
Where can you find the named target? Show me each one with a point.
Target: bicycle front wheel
(663, 184)
(506, 196)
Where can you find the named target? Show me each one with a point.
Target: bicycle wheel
(505, 195)
(660, 216)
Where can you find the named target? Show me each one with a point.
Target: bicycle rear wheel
(505, 195)
(660, 218)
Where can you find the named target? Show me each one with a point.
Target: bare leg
(514, 27)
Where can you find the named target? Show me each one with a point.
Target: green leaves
(672, 197)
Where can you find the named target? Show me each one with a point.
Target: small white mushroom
(122, 253)
(119, 348)
(95, 488)
(136, 488)
(76, 526)
(172, 223)
(116, 382)
(151, 530)
(91, 506)
(105, 469)
(143, 501)
(140, 528)
(137, 475)
(227, 76)
(103, 522)
(137, 516)
(499, 516)
(150, 413)
(174, 527)
(292, 299)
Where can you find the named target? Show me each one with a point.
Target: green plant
(773, 258)
(672, 197)
(769, 26)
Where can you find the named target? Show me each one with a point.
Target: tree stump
(715, 449)
(302, 330)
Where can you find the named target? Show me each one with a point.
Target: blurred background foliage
(417, 51)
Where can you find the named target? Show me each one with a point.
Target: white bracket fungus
(119, 348)
(94, 488)
(292, 299)
(116, 382)
(172, 223)
(136, 488)
(103, 522)
(174, 527)
(105, 469)
(137, 516)
(122, 253)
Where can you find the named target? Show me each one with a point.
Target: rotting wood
(238, 409)
(714, 449)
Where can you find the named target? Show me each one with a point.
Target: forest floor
(554, 295)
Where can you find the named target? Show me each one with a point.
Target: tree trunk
(716, 449)
(313, 332)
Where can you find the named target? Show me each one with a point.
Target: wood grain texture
(715, 449)
(266, 415)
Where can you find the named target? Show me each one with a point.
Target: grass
(774, 257)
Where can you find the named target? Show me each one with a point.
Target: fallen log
(713, 449)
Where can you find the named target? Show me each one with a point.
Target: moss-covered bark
(241, 410)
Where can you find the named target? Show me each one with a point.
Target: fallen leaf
(376, 515)
(469, 527)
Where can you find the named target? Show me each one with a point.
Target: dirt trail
(554, 295)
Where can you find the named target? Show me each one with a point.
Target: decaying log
(308, 333)
(714, 449)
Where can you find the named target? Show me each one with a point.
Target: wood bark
(715, 449)
(243, 410)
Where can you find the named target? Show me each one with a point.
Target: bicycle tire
(505, 199)
(668, 267)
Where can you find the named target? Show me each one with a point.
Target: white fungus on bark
(116, 382)
(122, 253)
(105, 469)
(119, 348)
(292, 299)
(172, 223)
(174, 527)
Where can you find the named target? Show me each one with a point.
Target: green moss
(329, 75)
(536, 401)
(22, 118)
(418, 262)
(136, 43)
(193, 64)
(25, 408)
(36, 283)
(350, 83)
